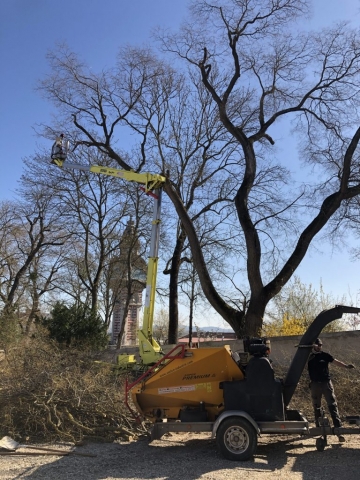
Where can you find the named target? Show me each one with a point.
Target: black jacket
(318, 366)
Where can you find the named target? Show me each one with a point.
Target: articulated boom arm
(150, 180)
(149, 350)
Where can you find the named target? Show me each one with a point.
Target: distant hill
(213, 329)
(210, 329)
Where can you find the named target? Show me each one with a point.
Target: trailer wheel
(236, 439)
(321, 444)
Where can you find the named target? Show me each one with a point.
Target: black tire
(320, 444)
(236, 439)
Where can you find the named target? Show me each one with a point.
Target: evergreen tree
(76, 326)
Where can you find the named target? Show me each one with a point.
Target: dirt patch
(190, 457)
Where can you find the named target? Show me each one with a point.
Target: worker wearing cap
(321, 384)
(58, 151)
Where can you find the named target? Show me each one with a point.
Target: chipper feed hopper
(235, 396)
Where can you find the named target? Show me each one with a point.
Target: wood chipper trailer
(235, 396)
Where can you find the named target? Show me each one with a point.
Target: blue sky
(95, 29)
(30, 28)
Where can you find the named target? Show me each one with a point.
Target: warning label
(187, 388)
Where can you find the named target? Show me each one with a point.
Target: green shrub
(76, 326)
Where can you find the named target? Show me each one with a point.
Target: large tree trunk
(173, 290)
(253, 320)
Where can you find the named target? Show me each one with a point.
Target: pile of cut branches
(50, 394)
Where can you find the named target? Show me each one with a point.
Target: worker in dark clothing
(59, 148)
(321, 384)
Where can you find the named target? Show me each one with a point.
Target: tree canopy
(205, 110)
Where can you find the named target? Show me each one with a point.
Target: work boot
(341, 438)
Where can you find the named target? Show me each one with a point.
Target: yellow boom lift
(149, 350)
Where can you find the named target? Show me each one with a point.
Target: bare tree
(94, 209)
(187, 140)
(182, 141)
(257, 70)
(302, 303)
(31, 234)
(161, 327)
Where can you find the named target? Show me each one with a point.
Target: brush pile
(50, 394)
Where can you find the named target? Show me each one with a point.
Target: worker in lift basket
(58, 149)
(321, 384)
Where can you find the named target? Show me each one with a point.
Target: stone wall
(345, 346)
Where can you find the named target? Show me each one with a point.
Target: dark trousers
(326, 390)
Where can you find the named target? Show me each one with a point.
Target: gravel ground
(190, 457)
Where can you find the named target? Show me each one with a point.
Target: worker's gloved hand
(350, 366)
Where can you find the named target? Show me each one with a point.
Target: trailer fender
(233, 413)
